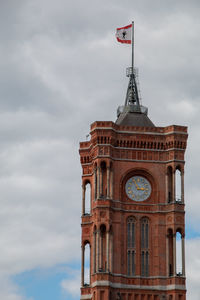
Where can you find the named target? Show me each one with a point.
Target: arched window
(103, 261)
(85, 268)
(145, 247)
(87, 198)
(95, 181)
(178, 185)
(178, 254)
(131, 247)
(103, 180)
(94, 249)
(169, 184)
(170, 252)
(87, 265)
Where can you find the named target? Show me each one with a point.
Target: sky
(61, 69)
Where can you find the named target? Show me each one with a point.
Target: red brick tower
(134, 215)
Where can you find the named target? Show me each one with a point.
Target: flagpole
(132, 46)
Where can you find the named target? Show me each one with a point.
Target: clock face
(138, 188)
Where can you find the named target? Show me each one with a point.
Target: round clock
(138, 188)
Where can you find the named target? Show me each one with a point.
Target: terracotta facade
(136, 269)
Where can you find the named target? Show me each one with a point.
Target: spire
(133, 113)
(132, 97)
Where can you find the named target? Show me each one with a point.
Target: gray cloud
(61, 69)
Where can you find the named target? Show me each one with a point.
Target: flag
(123, 34)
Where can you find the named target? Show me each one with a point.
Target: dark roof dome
(134, 119)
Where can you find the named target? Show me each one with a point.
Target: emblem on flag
(123, 34)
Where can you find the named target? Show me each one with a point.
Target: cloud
(61, 69)
(193, 268)
(10, 291)
(71, 285)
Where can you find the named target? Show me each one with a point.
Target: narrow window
(147, 264)
(133, 262)
(128, 234)
(131, 246)
(142, 236)
(145, 247)
(178, 185)
(169, 184)
(170, 252)
(178, 254)
(103, 180)
(87, 265)
(133, 235)
(142, 266)
(87, 198)
(147, 236)
(129, 260)
(102, 257)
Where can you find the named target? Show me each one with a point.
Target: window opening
(87, 265)
(87, 198)
(178, 186)
(144, 247)
(169, 179)
(131, 246)
(178, 254)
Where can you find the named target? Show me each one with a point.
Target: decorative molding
(86, 297)
(139, 211)
(132, 148)
(170, 287)
(140, 132)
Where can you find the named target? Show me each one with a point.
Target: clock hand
(136, 184)
(138, 188)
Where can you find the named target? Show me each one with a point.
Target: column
(82, 265)
(183, 254)
(111, 186)
(174, 186)
(167, 187)
(94, 252)
(98, 182)
(101, 182)
(107, 250)
(111, 252)
(101, 251)
(108, 182)
(167, 255)
(182, 186)
(83, 199)
(174, 253)
(97, 252)
(90, 265)
(95, 184)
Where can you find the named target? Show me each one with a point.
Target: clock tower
(133, 211)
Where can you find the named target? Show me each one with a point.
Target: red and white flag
(123, 34)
